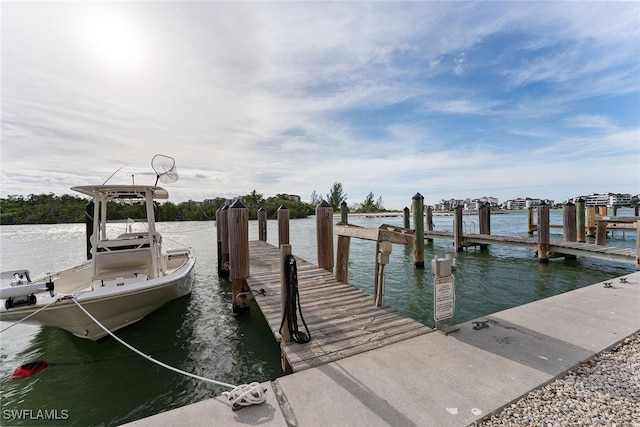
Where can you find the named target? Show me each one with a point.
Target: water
(105, 384)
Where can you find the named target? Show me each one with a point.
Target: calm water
(106, 384)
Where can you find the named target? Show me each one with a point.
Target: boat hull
(113, 308)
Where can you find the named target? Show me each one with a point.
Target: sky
(448, 99)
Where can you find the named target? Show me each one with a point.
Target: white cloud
(290, 97)
(591, 121)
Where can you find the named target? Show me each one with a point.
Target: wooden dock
(557, 247)
(341, 318)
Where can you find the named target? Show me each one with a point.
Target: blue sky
(449, 99)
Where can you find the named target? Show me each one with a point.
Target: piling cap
(261, 209)
(417, 196)
(237, 205)
(324, 204)
(283, 207)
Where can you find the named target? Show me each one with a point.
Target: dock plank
(342, 319)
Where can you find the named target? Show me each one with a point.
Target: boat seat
(116, 263)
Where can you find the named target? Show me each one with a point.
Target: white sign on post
(444, 298)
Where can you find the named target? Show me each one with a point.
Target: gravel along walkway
(604, 391)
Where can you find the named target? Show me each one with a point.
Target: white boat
(127, 277)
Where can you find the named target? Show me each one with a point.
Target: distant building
(215, 201)
(448, 205)
(467, 204)
(606, 199)
(526, 203)
(475, 204)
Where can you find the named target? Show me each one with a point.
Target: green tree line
(52, 209)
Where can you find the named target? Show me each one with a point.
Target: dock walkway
(441, 380)
(559, 247)
(342, 319)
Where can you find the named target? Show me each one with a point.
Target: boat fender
(29, 369)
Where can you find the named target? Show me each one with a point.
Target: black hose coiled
(292, 301)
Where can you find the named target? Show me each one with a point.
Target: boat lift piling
(580, 219)
(484, 218)
(544, 236)
(418, 224)
(590, 221)
(344, 213)
(238, 221)
(428, 217)
(283, 226)
(569, 227)
(406, 215)
(262, 224)
(458, 234)
(324, 234)
(222, 233)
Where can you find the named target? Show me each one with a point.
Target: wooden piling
(324, 235)
(429, 220)
(637, 241)
(602, 210)
(580, 220)
(262, 224)
(285, 251)
(406, 223)
(285, 334)
(569, 228)
(222, 228)
(418, 223)
(283, 225)
(544, 234)
(238, 226)
(590, 219)
(342, 259)
(484, 219)
(601, 233)
(636, 209)
(531, 227)
(383, 250)
(344, 213)
(458, 236)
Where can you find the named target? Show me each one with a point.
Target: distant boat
(128, 276)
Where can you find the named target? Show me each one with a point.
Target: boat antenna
(117, 170)
(165, 168)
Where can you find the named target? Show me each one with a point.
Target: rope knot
(246, 395)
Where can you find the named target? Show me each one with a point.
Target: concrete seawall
(437, 379)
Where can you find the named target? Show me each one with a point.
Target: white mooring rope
(239, 397)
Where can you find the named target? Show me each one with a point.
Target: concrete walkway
(437, 379)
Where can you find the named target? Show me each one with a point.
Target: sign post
(444, 293)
